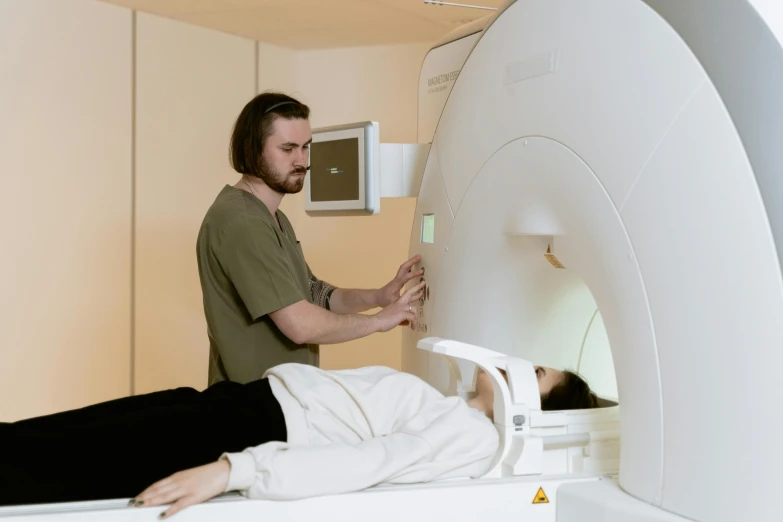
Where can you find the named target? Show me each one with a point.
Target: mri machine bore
(636, 144)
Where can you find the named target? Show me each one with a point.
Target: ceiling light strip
(438, 2)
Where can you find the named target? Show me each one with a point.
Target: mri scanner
(637, 144)
(604, 191)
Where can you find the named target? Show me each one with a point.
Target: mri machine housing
(640, 140)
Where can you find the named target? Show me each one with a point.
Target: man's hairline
(280, 116)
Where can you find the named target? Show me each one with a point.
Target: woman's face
(547, 378)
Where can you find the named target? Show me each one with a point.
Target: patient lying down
(299, 432)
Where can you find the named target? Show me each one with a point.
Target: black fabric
(118, 448)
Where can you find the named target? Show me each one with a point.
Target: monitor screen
(334, 170)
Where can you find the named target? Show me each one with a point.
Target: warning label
(540, 497)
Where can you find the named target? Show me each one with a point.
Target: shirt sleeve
(255, 262)
(279, 471)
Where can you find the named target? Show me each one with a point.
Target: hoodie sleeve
(454, 444)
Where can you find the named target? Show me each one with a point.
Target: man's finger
(415, 297)
(407, 265)
(419, 288)
(410, 291)
(411, 275)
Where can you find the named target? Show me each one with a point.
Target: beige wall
(277, 69)
(342, 86)
(99, 257)
(367, 83)
(191, 85)
(65, 205)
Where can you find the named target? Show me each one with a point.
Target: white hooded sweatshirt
(352, 429)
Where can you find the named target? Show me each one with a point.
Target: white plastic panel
(604, 501)
(622, 77)
(743, 58)
(570, 304)
(595, 362)
(706, 253)
(439, 71)
(432, 200)
(772, 13)
(401, 169)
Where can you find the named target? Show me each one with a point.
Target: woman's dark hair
(573, 393)
(255, 124)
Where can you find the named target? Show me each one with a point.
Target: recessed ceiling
(318, 24)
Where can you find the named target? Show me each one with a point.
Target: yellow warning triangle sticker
(540, 497)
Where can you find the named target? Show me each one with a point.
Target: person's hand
(403, 311)
(186, 488)
(390, 293)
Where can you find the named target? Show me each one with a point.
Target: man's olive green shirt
(249, 267)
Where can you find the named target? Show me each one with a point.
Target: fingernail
(140, 502)
(162, 515)
(131, 501)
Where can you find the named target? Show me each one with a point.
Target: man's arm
(353, 301)
(306, 323)
(341, 300)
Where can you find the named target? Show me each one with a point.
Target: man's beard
(281, 183)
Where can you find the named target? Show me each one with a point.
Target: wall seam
(256, 68)
(133, 207)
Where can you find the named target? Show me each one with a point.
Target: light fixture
(438, 2)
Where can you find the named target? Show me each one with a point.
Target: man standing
(263, 305)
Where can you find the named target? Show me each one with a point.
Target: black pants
(118, 448)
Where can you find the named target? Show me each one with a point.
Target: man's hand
(186, 488)
(390, 293)
(401, 312)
